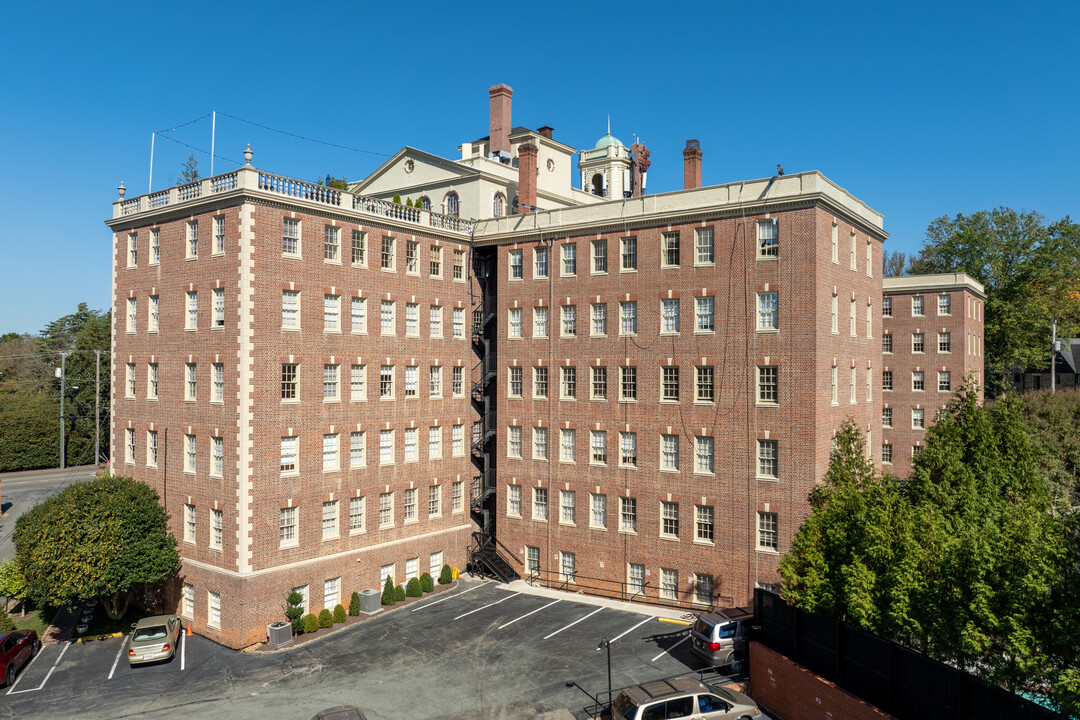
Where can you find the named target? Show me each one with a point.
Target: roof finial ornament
(609, 123)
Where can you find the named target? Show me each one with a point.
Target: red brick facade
(932, 342)
(788, 691)
(243, 349)
(800, 422)
(737, 334)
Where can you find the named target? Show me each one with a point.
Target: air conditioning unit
(279, 633)
(370, 601)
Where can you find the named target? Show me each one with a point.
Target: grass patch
(38, 620)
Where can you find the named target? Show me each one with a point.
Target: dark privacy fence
(901, 682)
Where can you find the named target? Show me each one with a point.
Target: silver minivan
(721, 637)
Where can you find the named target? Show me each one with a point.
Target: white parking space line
(553, 602)
(123, 644)
(451, 597)
(485, 607)
(574, 623)
(183, 649)
(631, 629)
(668, 651)
(12, 691)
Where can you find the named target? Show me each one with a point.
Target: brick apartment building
(932, 342)
(628, 394)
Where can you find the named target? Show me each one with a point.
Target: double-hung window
(358, 314)
(768, 239)
(628, 318)
(768, 386)
(768, 314)
(669, 316)
(331, 244)
(599, 319)
(669, 249)
(359, 248)
(704, 311)
(332, 313)
(628, 253)
(705, 383)
(192, 321)
(290, 237)
(517, 270)
(703, 246)
(290, 309)
(569, 320)
(599, 257)
(569, 259)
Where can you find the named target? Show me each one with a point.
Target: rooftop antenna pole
(213, 132)
(150, 187)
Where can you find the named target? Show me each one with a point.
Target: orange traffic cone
(189, 633)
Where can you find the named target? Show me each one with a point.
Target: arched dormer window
(498, 205)
(425, 203)
(453, 206)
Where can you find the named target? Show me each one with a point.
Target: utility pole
(97, 408)
(1053, 358)
(63, 366)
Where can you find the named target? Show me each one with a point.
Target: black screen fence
(899, 681)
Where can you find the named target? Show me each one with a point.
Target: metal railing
(643, 592)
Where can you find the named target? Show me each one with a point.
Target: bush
(446, 576)
(397, 198)
(388, 592)
(408, 203)
(6, 623)
(399, 594)
(354, 604)
(326, 618)
(426, 583)
(339, 613)
(294, 611)
(311, 623)
(413, 588)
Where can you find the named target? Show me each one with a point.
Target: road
(20, 491)
(480, 650)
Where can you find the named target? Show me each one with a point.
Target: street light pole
(97, 408)
(606, 644)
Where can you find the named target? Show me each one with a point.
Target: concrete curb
(105, 636)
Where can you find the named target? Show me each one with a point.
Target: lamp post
(606, 644)
(61, 374)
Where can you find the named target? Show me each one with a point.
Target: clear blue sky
(921, 109)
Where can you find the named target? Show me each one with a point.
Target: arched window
(515, 205)
(425, 203)
(498, 205)
(452, 204)
(598, 184)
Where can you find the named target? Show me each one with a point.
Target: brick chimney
(546, 131)
(500, 118)
(526, 178)
(691, 165)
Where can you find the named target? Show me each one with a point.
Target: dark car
(17, 648)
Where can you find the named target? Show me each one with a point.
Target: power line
(189, 122)
(197, 149)
(302, 137)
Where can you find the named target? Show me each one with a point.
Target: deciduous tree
(1030, 271)
(102, 538)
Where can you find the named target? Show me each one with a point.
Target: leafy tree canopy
(102, 538)
(1031, 272)
(967, 561)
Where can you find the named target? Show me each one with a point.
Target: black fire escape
(484, 555)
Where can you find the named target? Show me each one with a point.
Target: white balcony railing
(248, 178)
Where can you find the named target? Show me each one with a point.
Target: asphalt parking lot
(481, 650)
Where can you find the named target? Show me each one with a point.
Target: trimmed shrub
(354, 604)
(408, 203)
(326, 618)
(339, 613)
(397, 198)
(388, 592)
(311, 623)
(446, 576)
(294, 611)
(399, 593)
(413, 588)
(426, 583)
